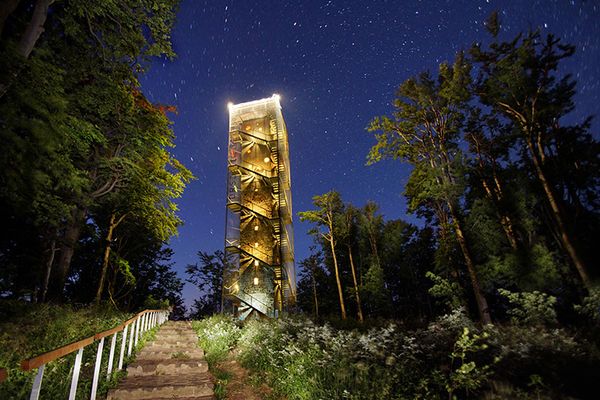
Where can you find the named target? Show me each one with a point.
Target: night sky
(336, 65)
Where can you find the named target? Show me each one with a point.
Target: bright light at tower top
(274, 97)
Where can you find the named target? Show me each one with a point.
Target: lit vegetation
(30, 330)
(449, 358)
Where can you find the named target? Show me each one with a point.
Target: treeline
(87, 179)
(506, 187)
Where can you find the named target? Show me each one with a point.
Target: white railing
(131, 332)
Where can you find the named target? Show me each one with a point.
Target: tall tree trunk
(6, 8)
(69, 241)
(565, 238)
(356, 294)
(482, 305)
(32, 33)
(35, 27)
(503, 218)
(337, 276)
(105, 259)
(314, 288)
(47, 271)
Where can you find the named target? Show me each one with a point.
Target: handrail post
(111, 354)
(37, 383)
(122, 349)
(130, 339)
(137, 330)
(97, 369)
(75, 378)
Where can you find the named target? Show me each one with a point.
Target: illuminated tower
(259, 241)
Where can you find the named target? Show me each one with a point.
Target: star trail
(336, 65)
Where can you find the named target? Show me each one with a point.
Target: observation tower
(260, 278)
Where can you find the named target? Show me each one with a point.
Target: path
(170, 367)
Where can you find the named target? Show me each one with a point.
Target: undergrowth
(28, 330)
(217, 335)
(451, 358)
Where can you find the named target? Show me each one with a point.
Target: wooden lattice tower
(260, 279)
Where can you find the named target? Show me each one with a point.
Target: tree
(519, 81)
(346, 232)
(208, 277)
(424, 132)
(312, 279)
(153, 180)
(127, 32)
(329, 205)
(81, 139)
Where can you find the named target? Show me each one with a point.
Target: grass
(451, 357)
(217, 335)
(28, 330)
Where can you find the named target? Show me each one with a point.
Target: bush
(531, 308)
(28, 330)
(217, 335)
(451, 358)
(590, 307)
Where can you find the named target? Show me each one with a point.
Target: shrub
(531, 308)
(449, 293)
(217, 335)
(590, 307)
(28, 330)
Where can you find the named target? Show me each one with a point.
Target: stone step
(171, 366)
(171, 336)
(176, 342)
(162, 343)
(163, 386)
(175, 339)
(173, 347)
(167, 354)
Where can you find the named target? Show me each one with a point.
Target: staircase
(170, 367)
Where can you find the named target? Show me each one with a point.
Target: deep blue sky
(336, 65)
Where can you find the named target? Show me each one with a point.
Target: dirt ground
(238, 386)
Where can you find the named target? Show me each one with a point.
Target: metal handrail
(139, 324)
(252, 300)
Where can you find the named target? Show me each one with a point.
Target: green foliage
(153, 304)
(448, 292)
(590, 306)
(217, 335)
(375, 292)
(28, 330)
(449, 358)
(531, 308)
(209, 276)
(467, 376)
(85, 145)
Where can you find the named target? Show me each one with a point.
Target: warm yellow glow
(256, 244)
(248, 127)
(229, 105)
(267, 159)
(256, 263)
(255, 280)
(256, 227)
(236, 287)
